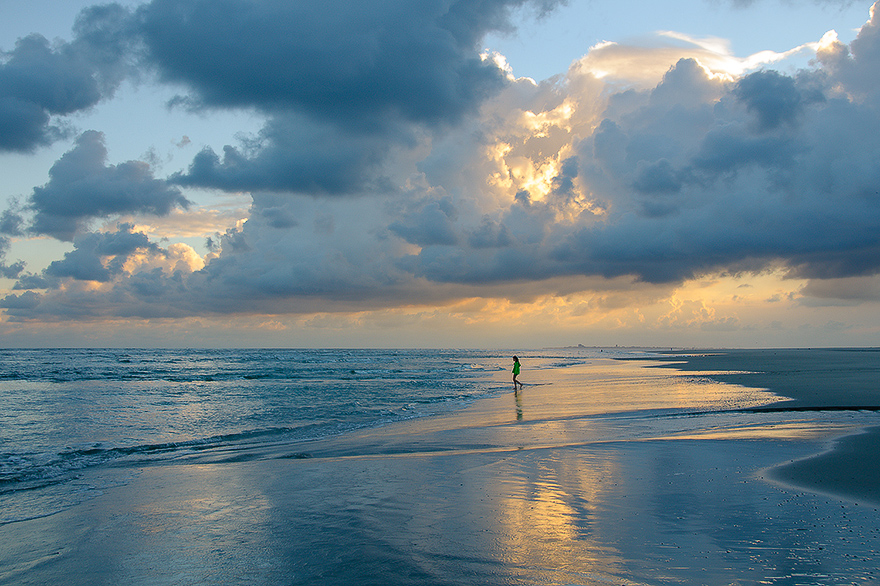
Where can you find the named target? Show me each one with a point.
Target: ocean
(313, 454)
(67, 410)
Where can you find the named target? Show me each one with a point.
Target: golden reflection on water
(553, 498)
(794, 430)
(548, 503)
(611, 386)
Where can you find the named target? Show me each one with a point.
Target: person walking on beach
(516, 374)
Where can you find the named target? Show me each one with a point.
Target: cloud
(293, 154)
(39, 81)
(82, 187)
(11, 222)
(432, 224)
(845, 291)
(339, 60)
(774, 98)
(341, 82)
(88, 261)
(585, 181)
(700, 174)
(6, 270)
(107, 274)
(643, 64)
(25, 302)
(35, 83)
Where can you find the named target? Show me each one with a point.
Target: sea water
(63, 411)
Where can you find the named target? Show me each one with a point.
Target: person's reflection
(518, 397)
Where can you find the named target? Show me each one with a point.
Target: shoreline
(837, 380)
(844, 467)
(847, 469)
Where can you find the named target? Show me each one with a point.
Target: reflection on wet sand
(546, 522)
(209, 517)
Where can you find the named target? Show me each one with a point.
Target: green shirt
(516, 368)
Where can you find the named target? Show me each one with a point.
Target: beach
(668, 470)
(844, 379)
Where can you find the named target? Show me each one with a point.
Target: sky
(444, 173)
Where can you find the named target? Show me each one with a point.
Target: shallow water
(65, 410)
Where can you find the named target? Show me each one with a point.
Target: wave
(22, 472)
(32, 471)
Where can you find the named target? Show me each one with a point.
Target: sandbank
(815, 380)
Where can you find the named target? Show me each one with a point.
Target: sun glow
(540, 123)
(177, 257)
(828, 42)
(537, 179)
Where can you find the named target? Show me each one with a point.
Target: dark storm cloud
(292, 154)
(725, 150)
(657, 177)
(25, 303)
(39, 80)
(789, 179)
(29, 281)
(337, 60)
(11, 222)
(563, 182)
(341, 81)
(774, 98)
(431, 224)
(279, 218)
(490, 234)
(82, 187)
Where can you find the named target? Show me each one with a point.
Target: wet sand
(831, 380)
(575, 481)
